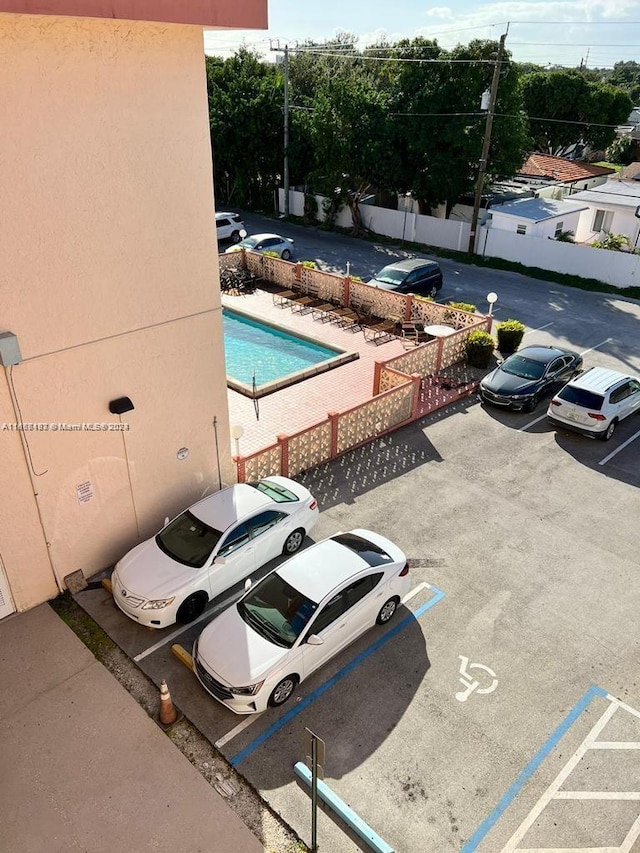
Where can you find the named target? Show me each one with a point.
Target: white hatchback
(298, 617)
(210, 547)
(595, 402)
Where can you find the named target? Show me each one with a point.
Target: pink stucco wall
(241, 14)
(109, 280)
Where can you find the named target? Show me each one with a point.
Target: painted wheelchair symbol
(470, 683)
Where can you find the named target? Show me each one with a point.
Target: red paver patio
(305, 403)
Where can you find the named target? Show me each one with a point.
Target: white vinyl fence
(616, 268)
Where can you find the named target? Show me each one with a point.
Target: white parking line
(602, 343)
(533, 423)
(539, 329)
(618, 449)
(174, 634)
(237, 729)
(415, 591)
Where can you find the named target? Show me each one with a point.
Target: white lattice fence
(309, 448)
(390, 378)
(374, 417)
(278, 271)
(233, 260)
(262, 464)
(383, 303)
(330, 286)
(453, 347)
(254, 262)
(422, 360)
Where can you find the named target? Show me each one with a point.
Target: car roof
(222, 509)
(537, 353)
(264, 236)
(599, 379)
(227, 213)
(413, 264)
(317, 570)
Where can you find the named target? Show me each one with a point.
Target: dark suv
(416, 276)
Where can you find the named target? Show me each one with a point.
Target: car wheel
(606, 435)
(293, 542)
(530, 406)
(286, 254)
(235, 237)
(386, 611)
(282, 691)
(433, 292)
(192, 607)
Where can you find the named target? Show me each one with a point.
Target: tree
(566, 108)
(626, 76)
(440, 127)
(245, 118)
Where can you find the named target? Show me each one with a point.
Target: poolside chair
(383, 330)
(308, 298)
(356, 317)
(413, 334)
(282, 298)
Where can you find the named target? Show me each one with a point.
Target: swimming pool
(262, 357)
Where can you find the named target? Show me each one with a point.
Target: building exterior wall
(620, 221)
(240, 14)
(544, 229)
(109, 281)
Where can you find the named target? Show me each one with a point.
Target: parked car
(527, 375)
(415, 276)
(298, 617)
(229, 226)
(595, 402)
(266, 243)
(210, 547)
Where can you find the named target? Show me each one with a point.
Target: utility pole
(285, 175)
(482, 165)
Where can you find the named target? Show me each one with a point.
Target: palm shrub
(479, 348)
(510, 334)
(463, 306)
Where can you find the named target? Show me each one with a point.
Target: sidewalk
(83, 769)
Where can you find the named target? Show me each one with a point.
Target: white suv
(595, 402)
(229, 226)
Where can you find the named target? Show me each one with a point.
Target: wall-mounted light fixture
(121, 405)
(9, 349)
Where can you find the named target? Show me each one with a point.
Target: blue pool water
(253, 347)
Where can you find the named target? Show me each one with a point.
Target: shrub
(270, 254)
(355, 277)
(463, 306)
(510, 334)
(310, 264)
(479, 348)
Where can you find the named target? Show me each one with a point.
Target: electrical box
(9, 349)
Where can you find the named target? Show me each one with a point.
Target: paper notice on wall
(84, 492)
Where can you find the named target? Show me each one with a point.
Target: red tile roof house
(557, 177)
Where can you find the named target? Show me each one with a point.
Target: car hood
(148, 572)
(506, 383)
(234, 651)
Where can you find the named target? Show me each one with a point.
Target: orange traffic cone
(168, 714)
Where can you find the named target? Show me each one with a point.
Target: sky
(594, 33)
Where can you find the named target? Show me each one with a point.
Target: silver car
(282, 246)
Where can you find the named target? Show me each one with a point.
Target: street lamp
(236, 434)
(492, 298)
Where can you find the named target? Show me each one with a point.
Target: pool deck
(301, 405)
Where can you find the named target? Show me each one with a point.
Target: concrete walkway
(82, 766)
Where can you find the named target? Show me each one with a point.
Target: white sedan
(210, 547)
(298, 617)
(282, 246)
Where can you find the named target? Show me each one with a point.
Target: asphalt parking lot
(500, 709)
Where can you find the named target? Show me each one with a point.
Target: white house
(614, 208)
(537, 217)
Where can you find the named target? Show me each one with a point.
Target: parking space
(476, 720)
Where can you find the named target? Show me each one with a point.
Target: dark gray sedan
(526, 376)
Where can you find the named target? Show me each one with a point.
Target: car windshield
(277, 611)
(276, 492)
(188, 540)
(373, 554)
(391, 275)
(248, 242)
(527, 368)
(581, 397)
